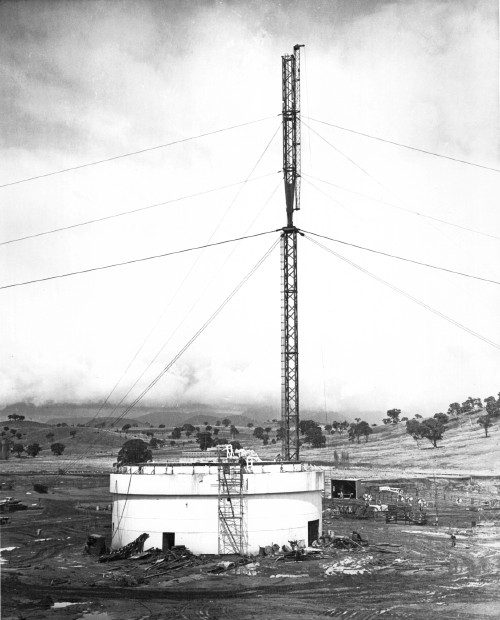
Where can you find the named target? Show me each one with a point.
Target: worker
(453, 540)
(356, 536)
(341, 495)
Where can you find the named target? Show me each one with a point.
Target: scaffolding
(232, 508)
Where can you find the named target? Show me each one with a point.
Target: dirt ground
(407, 571)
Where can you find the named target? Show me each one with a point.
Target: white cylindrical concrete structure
(178, 504)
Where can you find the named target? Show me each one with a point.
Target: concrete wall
(278, 506)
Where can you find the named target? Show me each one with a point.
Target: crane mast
(289, 329)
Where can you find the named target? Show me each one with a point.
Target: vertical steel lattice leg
(289, 347)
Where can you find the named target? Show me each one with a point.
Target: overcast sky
(85, 81)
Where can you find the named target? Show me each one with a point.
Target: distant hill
(194, 413)
(22, 424)
(237, 420)
(198, 413)
(321, 416)
(87, 413)
(75, 413)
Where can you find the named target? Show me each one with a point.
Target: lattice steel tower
(289, 327)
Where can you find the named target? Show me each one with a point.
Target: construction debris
(136, 546)
(11, 504)
(95, 545)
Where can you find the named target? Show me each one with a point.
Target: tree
(343, 426)
(154, 443)
(454, 409)
(258, 432)
(365, 430)
(33, 449)
(126, 427)
(57, 448)
(15, 416)
(280, 433)
(161, 426)
(328, 428)
(471, 405)
(250, 424)
(268, 429)
(50, 436)
(215, 431)
(352, 432)
(176, 433)
(234, 431)
(18, 449)
(485, 421)
(359, 429)
(226, 422)
(442, 417)
(432, 429)
(313, 433)
(236, 445)
(492, 406)
(413, 429)
(218, 423)
(315, 437)
(205, 439)
(134, 451)
(72, 433)
(393, 415)
(188, 427)
(305, 424)
(208, 427)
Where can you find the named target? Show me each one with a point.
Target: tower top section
(291, 130)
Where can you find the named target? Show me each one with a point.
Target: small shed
(346, 488)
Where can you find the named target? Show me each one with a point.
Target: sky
(88, 81)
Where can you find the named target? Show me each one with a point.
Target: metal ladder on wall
(232, 509)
